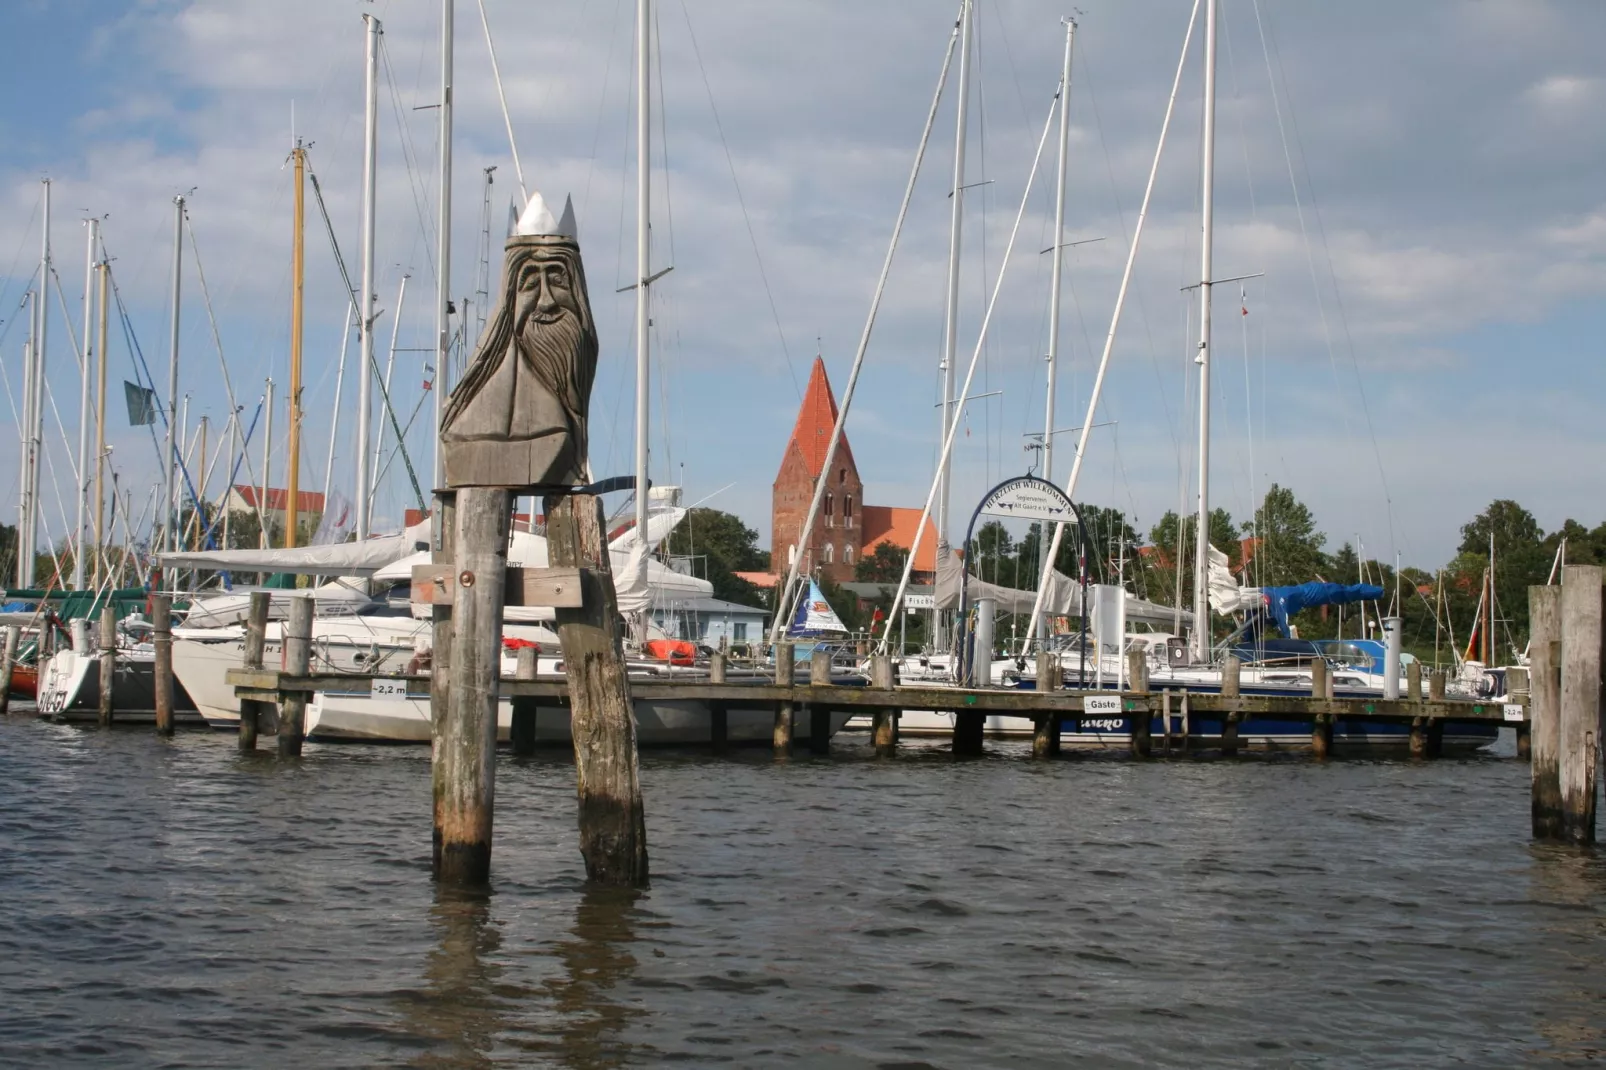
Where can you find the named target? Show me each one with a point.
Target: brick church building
(846, 530)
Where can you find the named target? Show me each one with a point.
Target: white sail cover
(337, 559)
(1062, 599)
(1226, 597)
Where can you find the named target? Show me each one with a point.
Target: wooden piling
(8, 663)
(1137, 671)
(108, 662)
(522, 729)
(970, 733)
(1544, 709)
(718, 714)
(1187, 723)
(785, 654)
(1046, 727)
(297, 662)
(256, 631)
(613, 819)
(819, 715)
(1143, 729)
(463, 768)
(1231, 677)
(1436, 685)
(1321, 728)
(1580, 700)
(162, 619)
(1517, 687)
(1318, 678)
(1413, 681)
(885, 720)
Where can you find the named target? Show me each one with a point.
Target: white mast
(950, 334)
(340, 383)
(25, 442)
(443, 256)
(365, 319)
(643, 247)
(1201, 535)
(171, 460)
(83, 405)
(264, 538)
(1044, 564)
(390, 366)
(40, 355)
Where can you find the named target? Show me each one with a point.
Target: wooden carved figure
(517, 418)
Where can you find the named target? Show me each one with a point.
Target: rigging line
(1120, 215)
(11, 272)
(785, 594)
(1338, 296)
(602, 107)
(138, 356)
(410, 159)
(970, 373)
(507, 118)
(741, 202)
(211, 317)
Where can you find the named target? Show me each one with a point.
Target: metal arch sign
(1029, 498)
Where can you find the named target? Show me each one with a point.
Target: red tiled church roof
(895, 525)
(307, 501)
(815, 419)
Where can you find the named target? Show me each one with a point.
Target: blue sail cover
(1284, 602)
(815, 617)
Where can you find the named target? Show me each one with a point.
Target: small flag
(1245, 310)
(141, 404)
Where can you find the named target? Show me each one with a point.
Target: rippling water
(171, 904)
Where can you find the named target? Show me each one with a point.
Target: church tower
(837, 542)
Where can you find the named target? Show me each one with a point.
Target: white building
(708, 620)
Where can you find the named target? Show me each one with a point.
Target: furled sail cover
(1284, 602)
(1226, 596)
(337, 559)
(1063, 598)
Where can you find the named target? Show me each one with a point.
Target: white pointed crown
(538, 220)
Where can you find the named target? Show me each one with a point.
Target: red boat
(25, 681)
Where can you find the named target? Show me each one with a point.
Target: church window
(828, 552)
(847, 554)
(829, 520)
(847, 510)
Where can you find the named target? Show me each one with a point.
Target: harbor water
(172, 904)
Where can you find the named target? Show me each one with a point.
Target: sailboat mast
(1054, 284)
(643, 248)
(104, 270)
(83, 405)
(264, 537)
(390, 367)
(40, 354)
(950, 332)
(443, 255)
(171, 461)
(365, 300)
(25, 504)
(298, 266)
(1201, 540)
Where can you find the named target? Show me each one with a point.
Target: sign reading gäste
(1029, 498)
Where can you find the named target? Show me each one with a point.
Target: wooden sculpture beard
(518, 417)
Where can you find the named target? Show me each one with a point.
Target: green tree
(1289, 547)
(1161, 580)
(719, 545)
(884, 564)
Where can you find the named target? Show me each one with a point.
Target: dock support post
(1517, 687)
(1419, 738)
(463, 769)
(256, 628)
(1413, 681)
(1436, 683)
(718, 715)
(970, 732)
(1580, 700)
(1544, 710)
(886, 718)
(1321, 725)
(1187, 722)
(1231, 675)
(613, 818)
(785, 655)
(820, 715)
(297, 662)
(521, 730)
(162, 618)
(1137, 671)
(108, 662)
(1046, 728)
(8, 662)
(1143, 729)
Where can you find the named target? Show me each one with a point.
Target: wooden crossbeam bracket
(551, 588)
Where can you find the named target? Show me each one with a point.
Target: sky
(1414, 187)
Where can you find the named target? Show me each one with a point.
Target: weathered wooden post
(1413, 681)
(521, 731)
(1142, 726)
(1580, 700)
(1436, 685)
(256, 631)
(613, 821)
(1517, 687)
(718, 714)
(108, 662)
(1046, 727)
(886, 717)
(1321, 725)
(162, 619)
(819, 713)
(8, 663)
(1137, 671)
(1231, 684)
(297, 663)
(1544, 709)
(785, 654)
